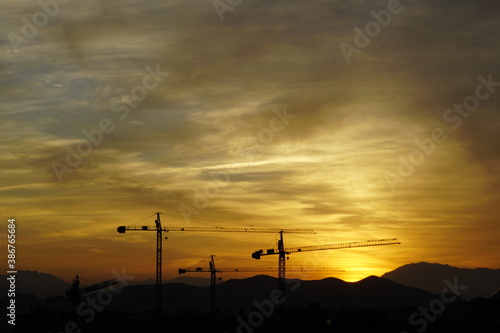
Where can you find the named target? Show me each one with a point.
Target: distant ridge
(480, 282)
(40, 284)
(193, 281)
(44, 285)
(371, 292)
(241, 294)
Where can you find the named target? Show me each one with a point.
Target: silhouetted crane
(74, 293)
(159, 229)
(281, 251)
(213, 274)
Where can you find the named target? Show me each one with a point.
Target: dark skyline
(114, 110)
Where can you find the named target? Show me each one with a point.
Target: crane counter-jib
(160, 229)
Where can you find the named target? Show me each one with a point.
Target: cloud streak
(324, 170)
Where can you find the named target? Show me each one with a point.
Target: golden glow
(267, 128)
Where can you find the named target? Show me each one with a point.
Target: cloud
(325, 168)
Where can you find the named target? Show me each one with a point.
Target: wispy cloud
(324, 170)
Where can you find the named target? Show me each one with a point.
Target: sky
(357, 119)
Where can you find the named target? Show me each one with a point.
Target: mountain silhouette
(241, 294)
(408, 285)
(40, 284)
(480, 282)
(194, 281)
(237, 295)
(44, 285)
(371, 292)
(373, 304)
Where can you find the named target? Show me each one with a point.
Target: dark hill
(40, 284)
(241, 294)
(480, 282)
(372, 292)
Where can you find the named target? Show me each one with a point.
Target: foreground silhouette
(255, 305)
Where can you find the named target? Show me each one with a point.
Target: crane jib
(123, 229)
(391, 241)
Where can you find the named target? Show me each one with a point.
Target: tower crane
(74, 293)
(213, 274)
(159, 229)
(282, 251)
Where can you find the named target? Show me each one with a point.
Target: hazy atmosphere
(272, 114)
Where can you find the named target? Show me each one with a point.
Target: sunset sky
(114, 110)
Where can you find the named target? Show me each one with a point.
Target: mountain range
(409, 285)
(480, 282)
(41, 285)
(238, 295)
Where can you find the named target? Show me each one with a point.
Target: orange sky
(257, 120)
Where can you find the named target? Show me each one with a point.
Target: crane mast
(213, 283)
(281, 264)
(282, 252)
(159, 245)
(74, 293)
(213, 274)
(159, 229)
